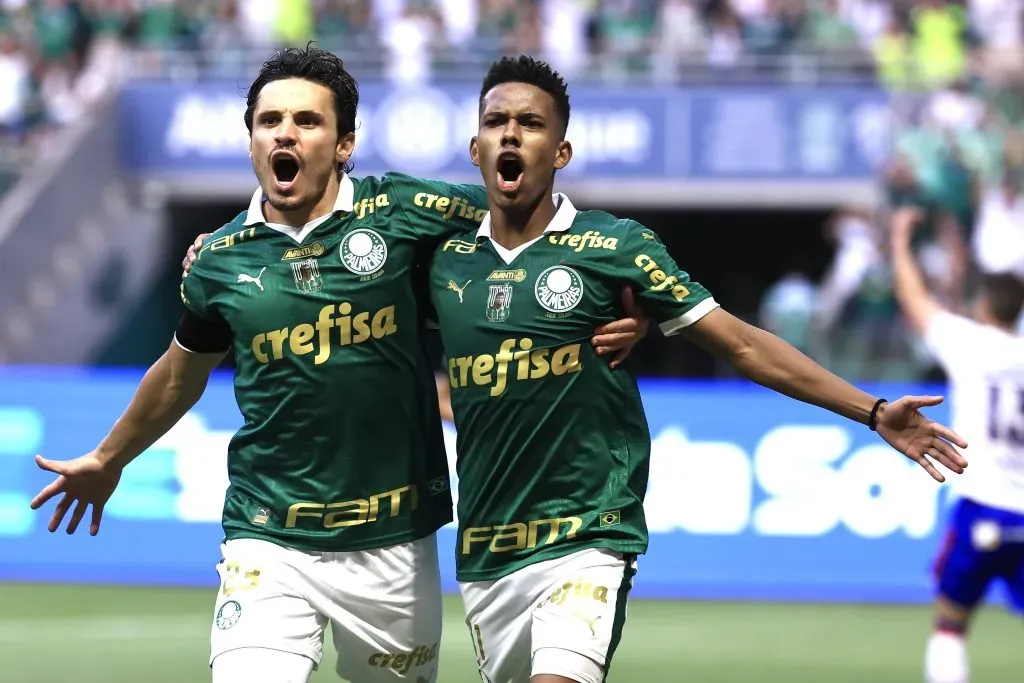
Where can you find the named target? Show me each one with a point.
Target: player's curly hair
(312, 64)
(526, 69)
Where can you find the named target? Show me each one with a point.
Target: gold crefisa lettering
(579, 589)
(661, 281)
(520, 535)
(316, 338)
(386, 505)
(591, 239)
(365, 207)
(403, 661)
(515, 357)
(449, 206)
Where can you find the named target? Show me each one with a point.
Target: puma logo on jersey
(590, 621)
(255, 279)
(458, 290)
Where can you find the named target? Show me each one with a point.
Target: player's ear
(474, 152)
(346, 145)
(563, 155)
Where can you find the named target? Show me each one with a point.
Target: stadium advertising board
(619, 134)
(751, 495)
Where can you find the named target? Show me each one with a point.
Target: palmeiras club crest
(363, 251)
(559, 289)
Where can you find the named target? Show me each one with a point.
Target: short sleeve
(436, 208)
(954, 341)
(197, 289)
(194, 291)
(664, 291)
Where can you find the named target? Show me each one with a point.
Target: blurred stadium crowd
(954, 72)
(58, 55)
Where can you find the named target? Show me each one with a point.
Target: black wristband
(873, 417)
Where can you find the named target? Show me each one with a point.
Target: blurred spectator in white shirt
(681, 36)
(998, 241)
(408, 40)
(14, 84)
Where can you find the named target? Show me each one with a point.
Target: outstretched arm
(764, 358)
(170, 387)
(168, 390)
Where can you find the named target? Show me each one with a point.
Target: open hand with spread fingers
(86, 481)
(904, 428)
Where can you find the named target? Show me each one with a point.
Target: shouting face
(294, 145)
(519, 145)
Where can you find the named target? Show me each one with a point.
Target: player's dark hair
(318, 66)
(1004, 296)
(526, 69)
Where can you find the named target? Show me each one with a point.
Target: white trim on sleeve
(183, 348)
(674, 326)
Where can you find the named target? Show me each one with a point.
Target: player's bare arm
(915, 300)
(444, 396)
(168, 390)
(771, 362)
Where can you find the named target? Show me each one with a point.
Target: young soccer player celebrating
(553, 445)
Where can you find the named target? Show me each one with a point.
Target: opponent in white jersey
(984, 360)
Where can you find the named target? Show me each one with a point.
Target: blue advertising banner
(618, 134)
(751, 496)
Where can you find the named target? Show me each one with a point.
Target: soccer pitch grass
(89, 634)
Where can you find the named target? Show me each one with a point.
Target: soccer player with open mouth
(553, 445)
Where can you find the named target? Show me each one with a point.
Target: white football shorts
(562, 617)
(384, 606)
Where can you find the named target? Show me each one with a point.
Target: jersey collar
(344, 203)
(562, 221)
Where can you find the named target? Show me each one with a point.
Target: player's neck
(297, 218)
(512, 229)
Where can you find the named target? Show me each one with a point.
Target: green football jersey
(553, 445)
(341, 447)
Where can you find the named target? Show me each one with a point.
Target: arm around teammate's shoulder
(437, 207)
